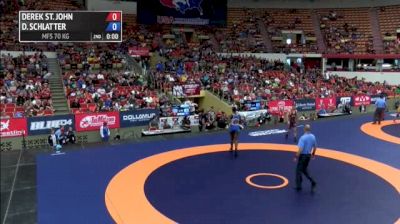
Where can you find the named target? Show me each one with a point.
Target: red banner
(361, 99)
(93, 122)
(13, 127)
(326, 103)
(138, 51)
(277, 106)
(191, 89)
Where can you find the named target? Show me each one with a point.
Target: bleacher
(389, 21)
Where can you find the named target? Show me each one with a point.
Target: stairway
(265, 36)
(57, 88)
(318, 34)
(376, 31)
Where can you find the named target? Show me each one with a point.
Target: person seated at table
(166, 125)
(222, 120)
(186, 123)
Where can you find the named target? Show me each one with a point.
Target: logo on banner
(138, 117)
(43, 125)
(345, 100)
(12, 127)
(4, 125)
(96, 120)
(363, 98)
(281, 105)
(183, 5)
(267, 132)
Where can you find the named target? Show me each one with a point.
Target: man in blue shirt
(307, 147)
(380, 109)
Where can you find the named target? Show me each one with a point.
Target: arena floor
(193, 179)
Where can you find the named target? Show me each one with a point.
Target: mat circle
(123, 195)
(375, 130)
(284, 183)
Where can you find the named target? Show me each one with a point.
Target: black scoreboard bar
(70, 26)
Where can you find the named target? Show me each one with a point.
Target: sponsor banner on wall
(305, 104)
(275, 106)
(93, 122)
(193, 12)
(344, 100)
(191, 89)
(138, 51)
(361, 100)
(174, 122)
(13, 127)
(326, 103)
(251, 115)
(43, 125)
(375, 97)
(137, 117)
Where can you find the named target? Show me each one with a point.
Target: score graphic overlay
(70, 26)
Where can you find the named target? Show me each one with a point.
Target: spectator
(71, 138)
(104, 132)
(186, 123)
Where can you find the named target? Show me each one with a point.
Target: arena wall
(309, 3)
(392, 78)
(127, 7)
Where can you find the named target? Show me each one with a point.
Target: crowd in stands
(239, 79)
(95, 78)
(25, 89)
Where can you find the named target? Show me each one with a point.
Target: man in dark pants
(307, 147)
(380, 109)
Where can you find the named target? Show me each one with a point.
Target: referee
(380, 109)
(307, 147)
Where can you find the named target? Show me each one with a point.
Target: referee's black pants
(302, 164)
(378, 116)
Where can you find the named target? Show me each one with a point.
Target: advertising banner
(138, 51)
(13, 127)
(361, 99)
(43, 125)
(344, 100)
(305, 104)
(191, 89)
(278, 105)
(191, 12)
(137, 117)
(174, 122)
(251, 115)
(375, 97)
(326, 103)
(93, 122)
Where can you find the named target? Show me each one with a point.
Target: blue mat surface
(393, 129)
(211, 189)
(71, 187)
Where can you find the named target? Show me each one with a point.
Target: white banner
(251, 115)
(174, 122)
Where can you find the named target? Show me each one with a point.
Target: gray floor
(18, 187)
(18, 179)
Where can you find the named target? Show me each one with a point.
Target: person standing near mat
(380, 109)
(104, 132)
(234, 129)
(307, 148)
(292, 124)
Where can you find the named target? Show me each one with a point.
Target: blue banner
(190, 12)
(305, 104)
(43, 125)
(137, 117)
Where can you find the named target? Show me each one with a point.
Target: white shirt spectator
(100, 76)
(101, 91)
